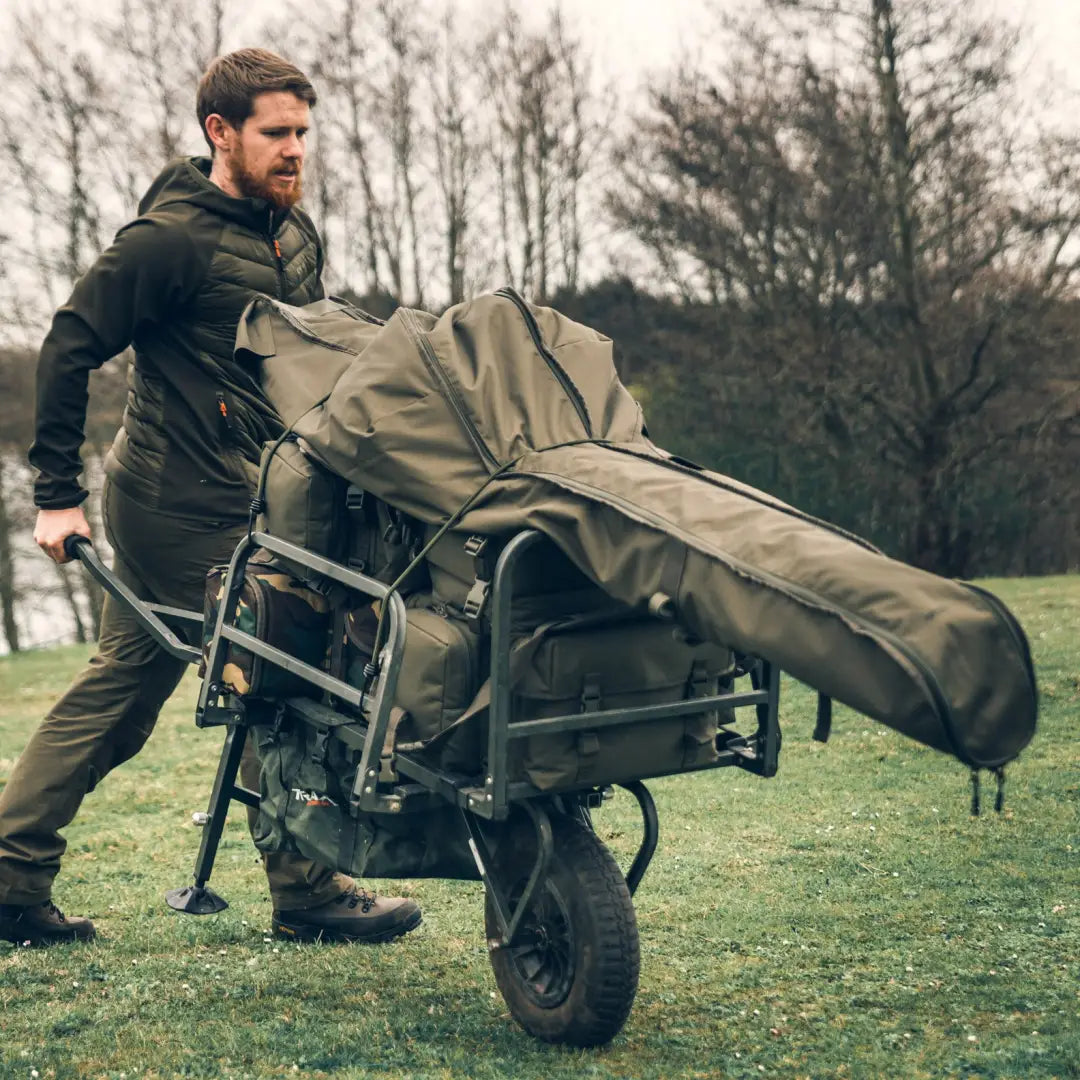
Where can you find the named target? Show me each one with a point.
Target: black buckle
(478, 548)
(476, 602)
(354, 497)
(475, 545)
(591, 697)
(320, 746)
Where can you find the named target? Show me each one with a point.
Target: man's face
(265, 156)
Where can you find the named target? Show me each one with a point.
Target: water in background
(43, 614)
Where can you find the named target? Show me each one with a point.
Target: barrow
(559, 918)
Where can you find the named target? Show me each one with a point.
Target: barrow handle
(79, 547)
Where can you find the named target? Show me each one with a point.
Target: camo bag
(279, 609)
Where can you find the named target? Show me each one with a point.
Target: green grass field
(845, 919)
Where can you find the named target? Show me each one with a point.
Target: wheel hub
(543, 952)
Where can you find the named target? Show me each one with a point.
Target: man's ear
(219, 131)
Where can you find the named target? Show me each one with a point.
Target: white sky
(630, 36)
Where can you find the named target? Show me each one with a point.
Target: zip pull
(277, 249)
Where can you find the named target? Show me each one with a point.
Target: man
(180, 474)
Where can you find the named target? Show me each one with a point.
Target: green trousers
(109, 711)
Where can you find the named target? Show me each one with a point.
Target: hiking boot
(41, 924)
(355, 915)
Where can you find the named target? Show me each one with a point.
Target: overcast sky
(631, 34)
(628, 36)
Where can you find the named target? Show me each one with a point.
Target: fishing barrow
(559, 918)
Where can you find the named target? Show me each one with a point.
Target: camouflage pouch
(276, 608)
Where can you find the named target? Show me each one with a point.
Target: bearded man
(211, 233)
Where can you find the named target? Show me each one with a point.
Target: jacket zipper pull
(277, 249)
(224, 410)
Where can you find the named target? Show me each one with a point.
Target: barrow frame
(400, 782)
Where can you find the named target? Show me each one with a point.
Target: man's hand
(53, 527)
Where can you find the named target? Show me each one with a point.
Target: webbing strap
(337, 643)
(347, 841)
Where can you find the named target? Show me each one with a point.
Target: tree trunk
(68, 589)
(8, 594)
(95, 477)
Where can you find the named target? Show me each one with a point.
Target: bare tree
(340, 62)
(867, 220)
(546, 130)
(459, 146)
(8, 592)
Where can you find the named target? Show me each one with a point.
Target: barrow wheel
(571, 974)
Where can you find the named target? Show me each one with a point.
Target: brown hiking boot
(355, 915)
(41, 924)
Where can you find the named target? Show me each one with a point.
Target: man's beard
(262, 187)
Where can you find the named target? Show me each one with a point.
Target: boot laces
(52, 909)
(359, 896)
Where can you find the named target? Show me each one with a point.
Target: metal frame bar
(650, 823)
(510, 921)
(225, 632)
(757, 754)
(223, 791)
(491, 801)
(146, 614)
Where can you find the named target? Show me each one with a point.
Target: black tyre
(572, 972)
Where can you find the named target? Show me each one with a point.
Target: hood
(187, 180)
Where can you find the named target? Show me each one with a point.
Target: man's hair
(233, 81)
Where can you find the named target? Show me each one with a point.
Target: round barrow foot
(195, 900)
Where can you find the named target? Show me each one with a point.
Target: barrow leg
(199, 899)
(650, 824)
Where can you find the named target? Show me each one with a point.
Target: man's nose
(294, 148)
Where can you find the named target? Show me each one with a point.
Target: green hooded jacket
(173, 285)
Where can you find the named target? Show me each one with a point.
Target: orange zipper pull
(277, 248)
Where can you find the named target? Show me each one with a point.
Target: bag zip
(701, 474)
(1014, 627)
(223, 412)
(427, 354)
(931, 687)
(359, 314)
(564, 380)
(309, 335)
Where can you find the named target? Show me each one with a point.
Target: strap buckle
(591, 697)
(320, 746)
(476, 602)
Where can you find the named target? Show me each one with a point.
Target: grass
(845, 919)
